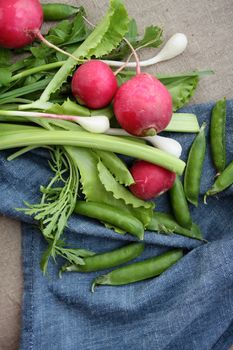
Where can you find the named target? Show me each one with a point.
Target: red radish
(143, 105)
(150, 180)
(94, 84)
(19, 21)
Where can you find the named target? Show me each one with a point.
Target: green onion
(90, 140)
(183, 122)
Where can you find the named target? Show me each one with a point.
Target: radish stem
(47, 43)
(138, 69)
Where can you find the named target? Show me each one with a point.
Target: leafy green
(5, 57)
(10, 96)
(119, 191)
(73, 254)
(64, 34)
(61, 32)
(152, 38)
(132, 33)
(181, 88)
(78, 31)
(57, 203)
(116, 166)
(69, 107)
(113, 26)
(5, 76)
(73, 108)
(92, 188)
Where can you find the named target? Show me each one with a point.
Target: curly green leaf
(119, 191)
(181, 88)
(116, 167)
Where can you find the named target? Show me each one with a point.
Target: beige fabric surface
(209, 27)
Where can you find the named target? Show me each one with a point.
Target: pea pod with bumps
(139, 271)
(218, 135)
(165, 223)
(111, 215)
(57, 12)
(223, 181)
(107, 260)
(193, 172)
(179, 204)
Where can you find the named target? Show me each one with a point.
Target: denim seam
(31, 293)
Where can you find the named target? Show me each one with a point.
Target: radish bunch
(142, 105)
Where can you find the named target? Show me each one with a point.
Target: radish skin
(19, 19)
(143, 105)
(94, 84)
(150, 180)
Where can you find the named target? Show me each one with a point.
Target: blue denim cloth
(189, 307)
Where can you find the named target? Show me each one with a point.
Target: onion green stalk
(31, 71)
(89, 140)
(96, 124)
(183, 122)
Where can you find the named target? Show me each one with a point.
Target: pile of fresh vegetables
(87, 116)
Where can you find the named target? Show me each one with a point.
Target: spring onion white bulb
(96, 124)
(174, 47)
(166, 144)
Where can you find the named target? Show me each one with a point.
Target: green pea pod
(57, 12)
(111, 215)
(223, 181)
(179, 204)
(108, 260)
(163, 222)
(192, 176)
(139, 271)
(218, 135)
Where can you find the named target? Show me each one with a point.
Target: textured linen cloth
(190, 306)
